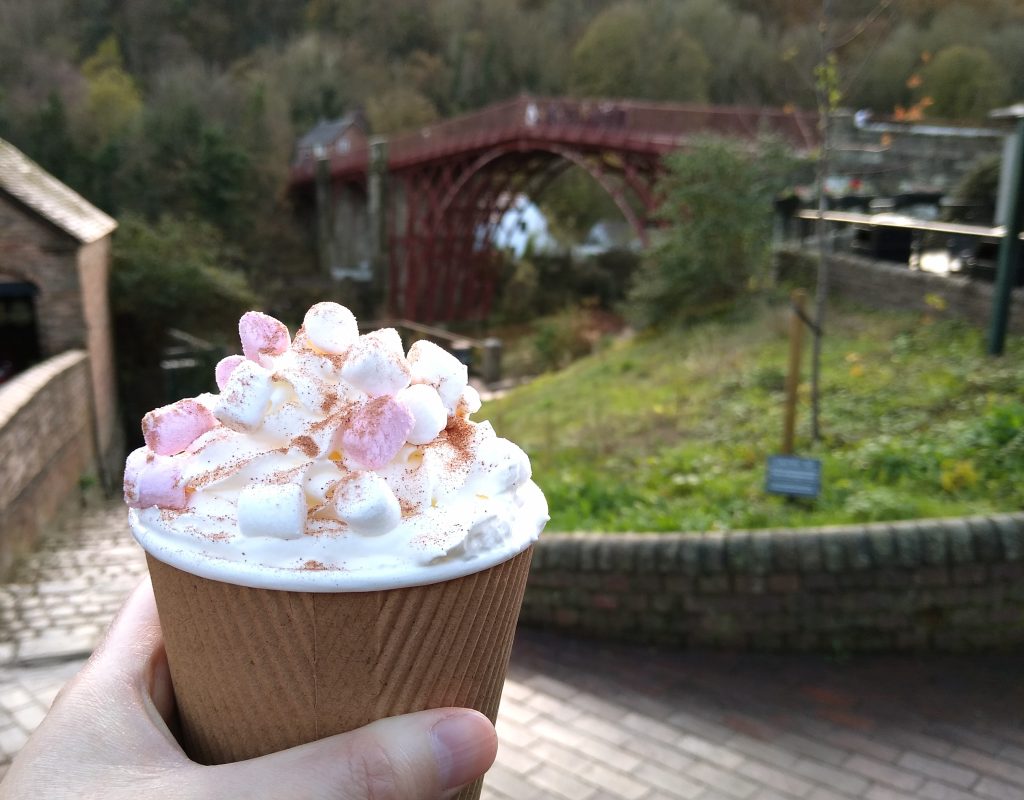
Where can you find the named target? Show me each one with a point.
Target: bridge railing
(659, 127)
(663, 125)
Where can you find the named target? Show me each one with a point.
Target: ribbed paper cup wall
(258, 670)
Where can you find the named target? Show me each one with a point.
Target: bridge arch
(644, 196)
(442, 268)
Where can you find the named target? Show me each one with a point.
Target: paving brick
(830, 776)
(885, 793)
(770, 754)
(516, 712)
(998, 790)
(600, 706)
(516, 735)
(985, 764)
(12, 739)
(654, 752)
(859, 743)
(561, 783)
(543, 684)
(933, 790)
(671, 783)
(815, 749)
(652, 728)
(615, 734)
(769, 794)
(28, 718)
(1012, 752)
(722, 780)
(880, 772)
(519, 760)
(612, 782)
(821, 793)
(553, 707)
(708, 751)
(941, 770)
(699, 726)
(923, 743)
(777, 779)
(506, 784)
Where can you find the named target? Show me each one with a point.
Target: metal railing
(663, 126)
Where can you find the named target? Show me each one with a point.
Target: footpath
(599, 721)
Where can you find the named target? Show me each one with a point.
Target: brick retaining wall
(46, 445)
(952, 584)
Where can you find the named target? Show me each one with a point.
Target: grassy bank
(670, 431)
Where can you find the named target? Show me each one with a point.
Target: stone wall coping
(19, 391)
(832, 548)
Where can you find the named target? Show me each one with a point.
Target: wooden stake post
(796, 330)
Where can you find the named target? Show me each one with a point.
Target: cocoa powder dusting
(330, 398)
(408, 508)
(312, 564)
(306, 445)
(460, 437)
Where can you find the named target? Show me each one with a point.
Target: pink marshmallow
(168, 430)
(262, 335)
(376, 432)
(153, 480)
(224, 369)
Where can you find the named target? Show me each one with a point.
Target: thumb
(421, 756)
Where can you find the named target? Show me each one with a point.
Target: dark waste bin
(882, 243)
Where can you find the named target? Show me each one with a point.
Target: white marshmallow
(500, 466)
(246, 398)
(470, 402)
(435, 366)
(285, 422)
(376, 365)
(428, 411)
(330, 327)
(276, 510)
(319, 480)
(207, 400)
(367, 504)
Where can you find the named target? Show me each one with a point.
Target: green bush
(718, 204)
(169, 274)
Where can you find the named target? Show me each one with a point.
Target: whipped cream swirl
(334, 462)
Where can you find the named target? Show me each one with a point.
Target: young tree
(828, 95)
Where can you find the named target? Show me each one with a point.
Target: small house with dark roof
(335, 137)
(54, 270)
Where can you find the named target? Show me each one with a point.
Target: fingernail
(463, 747)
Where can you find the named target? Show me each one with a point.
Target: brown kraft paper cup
(260, 670)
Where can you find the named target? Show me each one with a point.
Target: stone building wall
(93, 271)
(955, 584)
(35, 251)
(46, 446)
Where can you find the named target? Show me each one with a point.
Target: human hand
(107, 736)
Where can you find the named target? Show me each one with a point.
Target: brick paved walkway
(591, 721)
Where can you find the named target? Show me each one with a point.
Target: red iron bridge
(427, 203)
